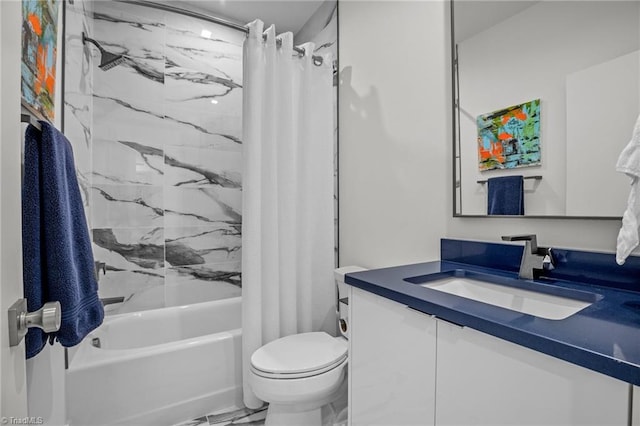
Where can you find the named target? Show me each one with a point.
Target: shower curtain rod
(216, 20)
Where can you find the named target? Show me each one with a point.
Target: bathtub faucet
(100, 266)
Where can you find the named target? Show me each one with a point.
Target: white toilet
(299, 374)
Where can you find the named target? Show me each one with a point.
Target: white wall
(12, 368)
(395, 139)
(394, 127)
(529, 56)
(606, 95)
(591, 235)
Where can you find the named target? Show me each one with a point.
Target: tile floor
(334, 414)
(233, 416)
(249, 417)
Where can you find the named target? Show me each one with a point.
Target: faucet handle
(548, 263)
(100, 266)
(526, 237)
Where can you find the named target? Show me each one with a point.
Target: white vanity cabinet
(635, 415)
(483, 380)
(478, 379)
(392, 362)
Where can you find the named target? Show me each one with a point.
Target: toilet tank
(340, 272)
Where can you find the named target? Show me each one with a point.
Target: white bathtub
(170, 295)
(160, 366)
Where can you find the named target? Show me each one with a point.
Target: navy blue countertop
(603, 337)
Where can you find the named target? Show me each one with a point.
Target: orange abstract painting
(39, 52)
(510, 137)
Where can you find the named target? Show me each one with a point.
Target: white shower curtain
(287, 225)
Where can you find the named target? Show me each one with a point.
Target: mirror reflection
(547, 95)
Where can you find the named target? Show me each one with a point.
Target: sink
(539, 299)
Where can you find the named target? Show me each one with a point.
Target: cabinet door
(392, 363)
(483, 380)
(635, 407)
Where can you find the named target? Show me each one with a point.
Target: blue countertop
(603, 337)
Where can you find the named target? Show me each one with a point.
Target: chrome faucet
(534, 259)
(100, 266)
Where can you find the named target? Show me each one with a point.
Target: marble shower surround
(78, 90)
(165, 178)
(157, 143)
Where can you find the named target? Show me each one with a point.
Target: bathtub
(159, 366)
(171, 295)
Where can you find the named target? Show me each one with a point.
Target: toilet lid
(300, 353)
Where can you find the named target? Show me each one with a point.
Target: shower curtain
(288, 215)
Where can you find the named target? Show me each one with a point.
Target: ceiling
(474, 16)
(286, 15)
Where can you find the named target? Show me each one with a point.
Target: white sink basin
(541, 305)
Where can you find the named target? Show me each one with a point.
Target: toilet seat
(299, 356)
(284, 376)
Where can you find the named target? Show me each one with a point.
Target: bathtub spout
(111, 300)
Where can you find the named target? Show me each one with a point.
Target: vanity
(470, 339)
(465, 341)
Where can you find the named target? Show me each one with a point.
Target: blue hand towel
(57, 257)
(506, 195)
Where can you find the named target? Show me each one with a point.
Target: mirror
(547, 90)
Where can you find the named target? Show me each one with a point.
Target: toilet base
(282, 415)
(315, 413)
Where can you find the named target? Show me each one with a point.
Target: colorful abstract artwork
(39, 51)
(509, 138)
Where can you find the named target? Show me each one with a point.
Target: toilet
(300, 374)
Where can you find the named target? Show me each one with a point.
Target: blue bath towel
(57, 257)
(506, 195)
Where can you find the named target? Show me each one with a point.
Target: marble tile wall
(157, 142)
(78, 100)
(165, 175)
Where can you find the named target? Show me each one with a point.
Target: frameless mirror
(547, 90)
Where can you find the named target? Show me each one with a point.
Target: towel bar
(30, 115)
(538, 177)
(29, 119)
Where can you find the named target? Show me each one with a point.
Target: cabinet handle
(420, 312)
(455, 324)
(435, 317)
